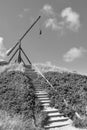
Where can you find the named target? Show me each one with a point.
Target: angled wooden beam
(23, 36)
(13, 55)
(12, 49)
(30, 28)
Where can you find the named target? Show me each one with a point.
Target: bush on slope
(69, 94)
(17, 98)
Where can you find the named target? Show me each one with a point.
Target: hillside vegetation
(69, 95)
(19, 106)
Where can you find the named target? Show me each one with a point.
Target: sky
(64, 31)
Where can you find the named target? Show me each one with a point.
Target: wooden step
(56, 114)
(54, 127)
(45, 101)
(59, 124)
(51, 110)
(45, 98)
(41, 94)
(58, 119)
(45, 104)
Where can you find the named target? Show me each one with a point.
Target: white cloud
(71, 18)
(48, 10)
(73, 54)
(53, 23)
(26, 9)
(20, 16)
(24, 12)
(2, 48)
(68, 19)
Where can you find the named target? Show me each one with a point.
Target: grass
(15, 122)
(19, 106)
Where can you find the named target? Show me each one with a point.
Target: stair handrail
(76, 113)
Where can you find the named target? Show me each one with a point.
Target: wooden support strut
(23, 61)
(19, 55)
(25, 56)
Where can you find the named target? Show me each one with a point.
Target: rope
(37, 70)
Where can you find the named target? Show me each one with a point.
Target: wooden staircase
(31, 72)
(56, 120)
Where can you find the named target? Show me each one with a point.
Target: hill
(68, 94)
(20, 108)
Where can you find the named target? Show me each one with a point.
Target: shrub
(68, 94)
(18, 100)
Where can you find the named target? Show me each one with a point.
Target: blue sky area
(64, 30)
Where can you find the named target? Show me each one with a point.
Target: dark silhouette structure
(19, 49)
